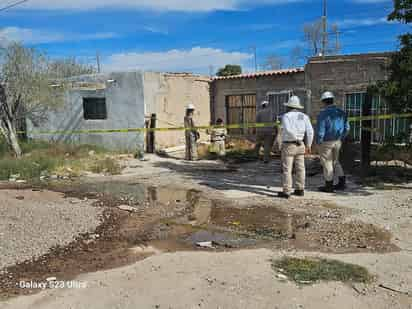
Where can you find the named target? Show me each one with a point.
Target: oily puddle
(162, 219)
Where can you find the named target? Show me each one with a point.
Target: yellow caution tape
(231, 126)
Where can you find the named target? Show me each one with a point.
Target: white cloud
(34, 36)
(347, 23)
(160, 5)
(197, 60)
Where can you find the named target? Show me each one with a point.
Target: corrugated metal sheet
(262, 74)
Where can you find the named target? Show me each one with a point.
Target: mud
(170, 219)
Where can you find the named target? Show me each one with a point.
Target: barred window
(382, 128)
(94, 108)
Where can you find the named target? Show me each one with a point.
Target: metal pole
(366, 135)
(324, 29)
(98, 62)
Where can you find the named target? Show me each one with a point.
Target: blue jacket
(332, 125)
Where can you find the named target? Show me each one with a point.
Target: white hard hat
(190, 106)
(327, 95)
(294, 102)
(264, 103)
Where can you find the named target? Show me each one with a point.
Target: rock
(205, 244)
(92, 153)
(281, 277)
(127, 208)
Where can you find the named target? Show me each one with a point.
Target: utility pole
(211, 70)
(255, 55)
(98, 62)
(324, 29)
(337, 41)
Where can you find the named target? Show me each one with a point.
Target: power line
(7, 7)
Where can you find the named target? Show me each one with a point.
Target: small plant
(106, 166)
(313, 270)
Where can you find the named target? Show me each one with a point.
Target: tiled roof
(262, 74)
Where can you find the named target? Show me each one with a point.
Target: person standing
(332, 129)
(297, 138)
(191, 134)
(264, 136)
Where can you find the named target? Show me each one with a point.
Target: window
(277, 102)
(382, 128)
(241, 109)
(94, 108)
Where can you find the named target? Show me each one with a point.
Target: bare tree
(313, 34)
(297, 56)
(336, 33)
(313, 37)
(68, 67)
(273, 62)
(26, 90)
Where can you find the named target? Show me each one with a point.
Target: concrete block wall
(167, 95)
(343, 75)
(125, 109)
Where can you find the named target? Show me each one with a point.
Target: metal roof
(262, 74)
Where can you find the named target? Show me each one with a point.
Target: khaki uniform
(191, 137)
(297, 131)
(292, 154)
(329, 158)
(218, 139)
(265, 136)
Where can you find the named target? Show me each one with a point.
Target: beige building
(167, 95)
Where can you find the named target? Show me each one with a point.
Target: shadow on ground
(254, 177)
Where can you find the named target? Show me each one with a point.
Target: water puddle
(168, 219)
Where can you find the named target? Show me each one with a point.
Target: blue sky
(190, 35)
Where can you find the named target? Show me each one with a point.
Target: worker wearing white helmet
(265, 136)
(297, 138)
(191, 134)
(332, 127)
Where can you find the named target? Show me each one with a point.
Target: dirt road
(178, 204)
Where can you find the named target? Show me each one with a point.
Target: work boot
(299, 193)
(341, 186)
(283, 195)
(328, 188)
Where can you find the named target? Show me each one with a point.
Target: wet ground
(166, 219)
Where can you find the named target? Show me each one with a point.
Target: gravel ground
(33, 222)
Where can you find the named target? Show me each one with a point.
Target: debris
(386, 287)
(281, 277)
(21, 181)
(51, 279)
(205, 244)
(20, 198)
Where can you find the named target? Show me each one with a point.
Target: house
(125, 100)
(237, 98)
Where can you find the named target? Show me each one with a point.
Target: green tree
(230, 70)
(397, 90)
(27, 90)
